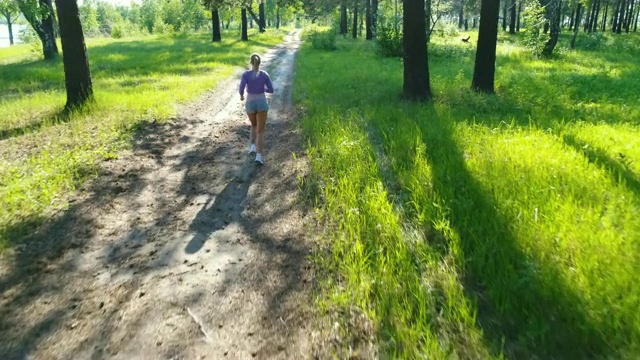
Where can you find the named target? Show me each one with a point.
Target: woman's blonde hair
(255, 57)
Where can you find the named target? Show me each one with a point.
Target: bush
(389, 42)
(323, 40)
(28, 36)
(117, 31)
(592, 41)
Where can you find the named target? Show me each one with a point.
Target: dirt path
(182, 248)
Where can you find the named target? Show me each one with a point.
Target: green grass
(45, 155)
(479, 226)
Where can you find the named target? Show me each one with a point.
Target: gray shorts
(256, 105)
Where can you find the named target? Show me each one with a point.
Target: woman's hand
(241, 97)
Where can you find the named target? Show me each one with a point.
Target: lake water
(4, 34)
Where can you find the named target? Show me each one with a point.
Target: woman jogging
(256, 82)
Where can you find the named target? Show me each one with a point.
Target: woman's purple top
(255, 84)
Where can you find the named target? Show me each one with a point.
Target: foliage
(389, 38)
(322, 39)
(534, 37)
(477, 226)
(44, 156)
(9, 10)
(592, 41)
(89, 18)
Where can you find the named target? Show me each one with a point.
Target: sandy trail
(182, 248)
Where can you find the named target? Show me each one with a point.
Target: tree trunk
(261, 23)
(604, 16)
(595, 18)
(354, 30)
(466, 24)
(635, 26)
(369, 31)
(504, 15)
(43, 27)
(243, 15)
(485, 63)
(512, 23)
(74, 55)
(620, 17)
(374, 17)
(556, 8)
(10, 29)
(427, 20)
(460, 15)
(594, 5)
(343, 18)
(215, 24)
(416, 66)
(614, 17)
(277, 16)
(627, 24)
(518, 17)
(576, 26)
(572, 18)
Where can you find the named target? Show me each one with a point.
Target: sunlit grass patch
(478, 226)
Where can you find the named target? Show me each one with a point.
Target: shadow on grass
(521, 302)
(62, 116)
(616, 167)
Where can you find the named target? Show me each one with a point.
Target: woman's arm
(268, 85)
(243, 85)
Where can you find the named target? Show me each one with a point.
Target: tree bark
(354, 29)
(504, 15)
(595, 18)
(620, 17)
(485, 63)
(243, 15)
(416, 66)
(556, 7)
(519, 14)
(604, 16)
(466, 24)
(428, 19)
(460, 15)
(261, 23)
(343, 18)
(74, 55)
(369, 30)
(614, 17)
(43, 27)
(374, 17)
(10, 29)
(592, 19)
(576, 26)
(512, 23)
(572, 18)
(627, 24)
(215, 24)
(277, 16)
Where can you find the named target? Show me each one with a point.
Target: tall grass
(479, 226)
(45, 154)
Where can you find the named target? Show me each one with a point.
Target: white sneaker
(252, 150)
(259, 159)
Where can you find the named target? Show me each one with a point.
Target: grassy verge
(45, 155)
(479, 226)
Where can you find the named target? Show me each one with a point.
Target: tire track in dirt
(182, 248)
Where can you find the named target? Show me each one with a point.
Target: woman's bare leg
(262, 121)
(254, 126)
